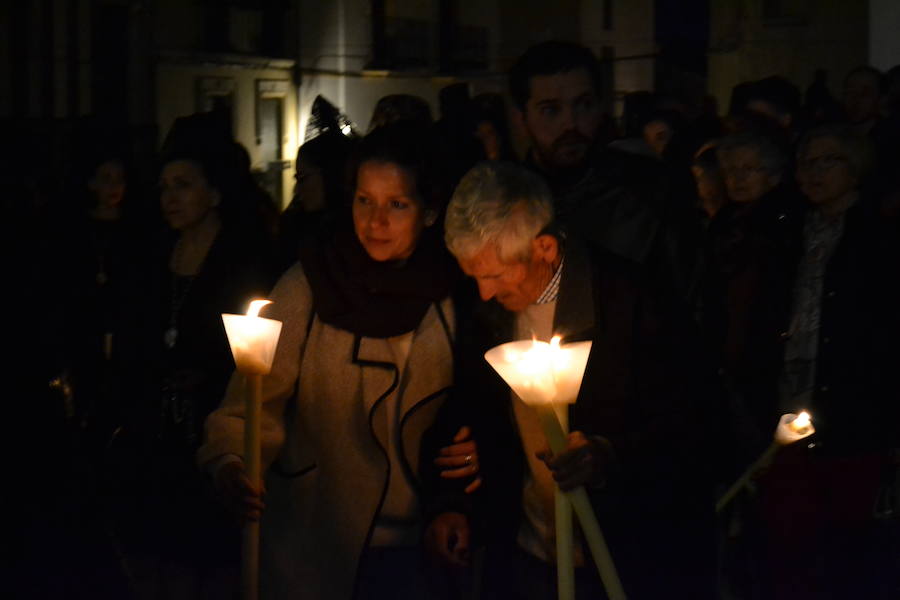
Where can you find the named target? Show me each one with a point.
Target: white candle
(253, 339)
(545, 375)
(791, 428)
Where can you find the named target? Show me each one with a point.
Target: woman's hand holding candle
(240, 497)
(791, 428)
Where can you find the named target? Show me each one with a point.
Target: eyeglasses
(821, 163)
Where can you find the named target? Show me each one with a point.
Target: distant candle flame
(801, 423)
(255, 306)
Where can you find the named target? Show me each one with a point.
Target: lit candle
(548, 377)
(801, 424)
(253, 341)
(791, 428)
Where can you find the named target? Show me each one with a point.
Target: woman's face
(388, 216)
(746, 178)
(657, 134)
(108, 184)
(185, 195)
(710, 187)
(489, 138)
(823, 172)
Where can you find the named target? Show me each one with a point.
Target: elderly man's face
(562, 118)
(517, 284)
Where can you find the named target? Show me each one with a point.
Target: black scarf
(371, 298)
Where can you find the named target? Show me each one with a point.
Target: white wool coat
(324, 422)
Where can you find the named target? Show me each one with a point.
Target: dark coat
(751, 265)
(644, 390)
(164, 395)
(856, 403)
(624, 203)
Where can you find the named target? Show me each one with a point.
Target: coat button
(831, 294)
(824, 388)
(784, 335)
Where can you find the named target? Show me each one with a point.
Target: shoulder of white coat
(291, 295)
(446, 307)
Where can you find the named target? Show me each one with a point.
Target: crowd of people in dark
(727, 269)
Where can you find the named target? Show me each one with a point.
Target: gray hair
(857, 146)
(497, 203)
(772, 156)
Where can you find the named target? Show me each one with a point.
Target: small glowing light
(255, 306)
(346, 130)
(801, 422)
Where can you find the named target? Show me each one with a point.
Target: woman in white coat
(363, 364)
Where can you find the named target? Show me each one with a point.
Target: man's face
(562, 118)
(517, 284)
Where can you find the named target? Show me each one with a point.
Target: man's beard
(568, 151)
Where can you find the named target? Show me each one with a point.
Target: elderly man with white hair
(638, 428)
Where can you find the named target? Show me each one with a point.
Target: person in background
(862, 97)
(400, 107)
(172, 362)
(711, 192)
(660, 130)
(616, 199)
(319, 192)
(777, 99)
(753, 245)
(840, 355)
(363, 363)
(492, 126)
(109, 236)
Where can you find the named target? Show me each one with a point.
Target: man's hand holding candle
(586, 461)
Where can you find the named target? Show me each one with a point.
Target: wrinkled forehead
(741, 154)
(820, 145)
(486, 262)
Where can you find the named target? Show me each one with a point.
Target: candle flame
(554, 342)
(255, 305)
(802, 421)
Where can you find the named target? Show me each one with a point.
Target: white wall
(884, 33)
(832, 35)
(177, 97)
(632, 34)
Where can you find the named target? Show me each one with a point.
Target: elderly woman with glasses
(840, 355)
(752, 248)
